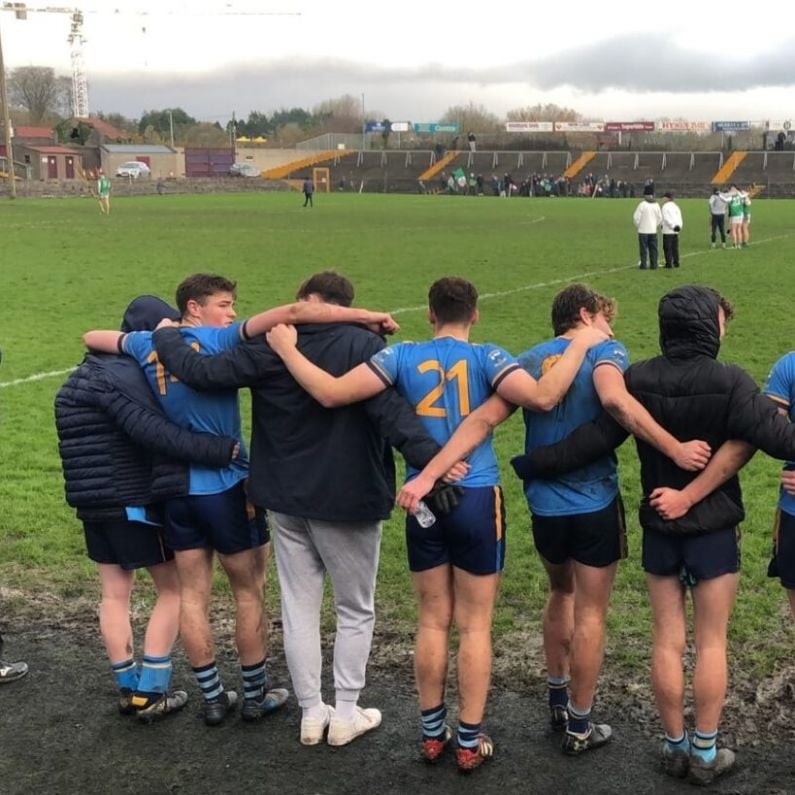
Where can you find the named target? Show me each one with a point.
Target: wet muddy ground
(60, 732)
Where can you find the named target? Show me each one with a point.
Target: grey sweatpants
(307, 549)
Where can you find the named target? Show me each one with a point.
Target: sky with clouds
(413, 59)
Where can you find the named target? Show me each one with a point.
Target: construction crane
(76, 38)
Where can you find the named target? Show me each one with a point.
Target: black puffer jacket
(692, 396)
(117, 447)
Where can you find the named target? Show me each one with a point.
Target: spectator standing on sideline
(103, 192)
(309, 189)
(746, 224)
(648, 219)
(671, 227)
(473, 145)
(717, 217)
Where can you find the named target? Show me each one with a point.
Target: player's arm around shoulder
(357, 384)
(104, 341)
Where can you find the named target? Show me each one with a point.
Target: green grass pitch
(67, 269)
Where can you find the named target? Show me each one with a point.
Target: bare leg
(246, 572)
(195, 568)
(114, 610)
(473, 608)
(592, 588)
(667, 596)
(434, 590)
(791, 597)
(163, 626)
(559, 617)
(713, 601)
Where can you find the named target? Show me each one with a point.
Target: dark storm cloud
(634, 63)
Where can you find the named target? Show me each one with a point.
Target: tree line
(38, 96)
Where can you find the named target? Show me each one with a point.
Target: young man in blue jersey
(780, 388)
(577, 519)
(215, 516)
(456, 564)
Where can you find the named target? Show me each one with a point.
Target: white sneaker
(313, 729)
(342, 732)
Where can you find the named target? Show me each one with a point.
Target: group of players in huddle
(696, 421)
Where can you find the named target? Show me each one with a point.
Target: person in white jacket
(648, 219)
(671, 227)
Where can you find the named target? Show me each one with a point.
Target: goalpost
(321, 179)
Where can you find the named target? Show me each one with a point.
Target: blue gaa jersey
(780, 387)
(590, 488)
(445, 380)
(216, 412)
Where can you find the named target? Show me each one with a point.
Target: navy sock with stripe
(558, 691)
(255, 680)
(209, 681)
(468, 734)
(433, 722)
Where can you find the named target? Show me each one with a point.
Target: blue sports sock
(704, 746)
(126, 673)
(558, 691)
(433, 722)
(155, 675)
(468, 734)
(680, 745)
(209, 681)
(579, 720)
(255, 679)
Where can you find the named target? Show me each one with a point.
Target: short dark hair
(726, 305)
(200, 286)
(331, 286)
(453, 300)
(567, 304)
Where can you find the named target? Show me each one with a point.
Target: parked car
(243, 170)
(133, 169)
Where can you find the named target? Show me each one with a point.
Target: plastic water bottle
(424, 515)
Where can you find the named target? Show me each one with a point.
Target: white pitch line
(483, 297)
(36, 377)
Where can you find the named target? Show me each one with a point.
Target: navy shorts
(782, 564)
(131, 545)
(225, 522)
(691, 557)
(471, 537)
(598, 538)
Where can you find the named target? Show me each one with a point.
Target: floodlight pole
(12, 188)
(364, 124)
(171, 126)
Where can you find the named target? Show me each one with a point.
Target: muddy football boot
(272, 700)
(431, 748)
(598, 734)
(558, 718)
(148, 710)
(704, 773)
(675, 763)
(469, 759)
(10, 672)
(125, 701)
(217, 709)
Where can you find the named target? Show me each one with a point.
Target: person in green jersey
(103, 192)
